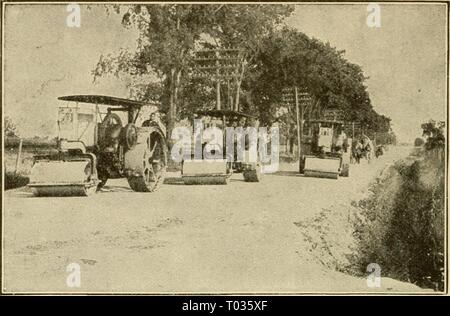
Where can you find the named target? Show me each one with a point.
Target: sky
(405, 58)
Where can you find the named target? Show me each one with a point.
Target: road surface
(239, 238)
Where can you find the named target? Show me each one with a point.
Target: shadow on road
(285, 174)
(236, 180)
(108, 189)
(174, 181)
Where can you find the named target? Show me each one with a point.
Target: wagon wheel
(154, 163)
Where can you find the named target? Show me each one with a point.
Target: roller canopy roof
(221, 113)
(104, 99)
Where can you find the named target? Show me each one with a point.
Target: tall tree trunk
(172, 107)
(175, 77)
(174, 84)
(176, 88)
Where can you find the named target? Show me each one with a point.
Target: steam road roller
(94, 145)
(219, 169)
(325, 150)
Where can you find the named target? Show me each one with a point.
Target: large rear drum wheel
(150, 175)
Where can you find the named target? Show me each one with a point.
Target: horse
(367, 152)
(356, 152)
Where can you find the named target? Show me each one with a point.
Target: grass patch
(401, 223)
(13, 180)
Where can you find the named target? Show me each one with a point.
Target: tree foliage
(169, 34)
(10, 127)
(290, 58)
(434, 133)
(273, 58)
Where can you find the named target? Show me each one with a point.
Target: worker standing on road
(340, 141)
(358, 151)
(366, 143)
(367, 148)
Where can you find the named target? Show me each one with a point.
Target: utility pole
(291, 97)
(219, 65)
(299, 128)
(229, 96)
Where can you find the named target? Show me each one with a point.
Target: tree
(170, 33)
(434, 133)
(10, 128)
(246, 28)
(290, 58)
(419, 142)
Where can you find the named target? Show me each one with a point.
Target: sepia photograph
(224, 148)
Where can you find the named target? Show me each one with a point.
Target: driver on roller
(155, 120)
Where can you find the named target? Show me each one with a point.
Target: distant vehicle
(324, 154)
(218, 171)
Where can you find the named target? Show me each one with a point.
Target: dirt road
(236, 238)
